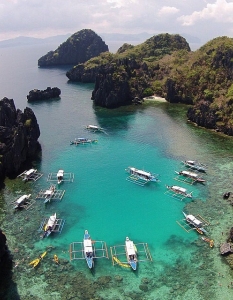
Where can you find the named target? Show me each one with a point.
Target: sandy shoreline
(155, 98)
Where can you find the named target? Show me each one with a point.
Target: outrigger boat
(31, 174)
(140, 177)
(94, 128)
(180, 191)
(131, 253)
(49, 193)
(50, 225)
(193, 176)
(193, 164)
(88, 250)
(21, 201)
(82, 141)
(60, 176)
(197, 224)
(28, 174)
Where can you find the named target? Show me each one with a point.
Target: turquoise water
(154, 137)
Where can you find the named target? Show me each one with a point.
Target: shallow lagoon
(153, 137)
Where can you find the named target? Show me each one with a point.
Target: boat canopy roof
(194, 220)
(51, 220)
(93, 126)
(191, 162)
(21, 199)
(178, 188)
(191, 174)
(130, 247)
(140, 172)
(48, 192)
(87, 245)
(60, 173)
(82, 139)
(29, 172)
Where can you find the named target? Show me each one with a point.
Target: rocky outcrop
(78, 48)
(80, 74)
(19, 133)
(118, 84)
(203, 114)
(8, 287)
(127, 75)
(3, 246)
(49, 93)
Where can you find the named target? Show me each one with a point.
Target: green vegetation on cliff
(78, 48)
(165, 66)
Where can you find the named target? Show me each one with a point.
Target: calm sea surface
(154, 137)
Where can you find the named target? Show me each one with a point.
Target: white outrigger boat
(193, 164)
(94, 128)
(48, 194)
(196, 223)
(48, 228)
(60, 176)
(179, 191)
(28, 174)
(88, 250)
(194, 177)
(82, 141)
(140, 177)
(31, 174)
(21, 201)
(131, 253)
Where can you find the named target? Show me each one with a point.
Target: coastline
(154, 98)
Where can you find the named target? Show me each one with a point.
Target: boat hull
(133, 265)
(90, 262)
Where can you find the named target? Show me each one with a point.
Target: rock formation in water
(78, 48)
(49, 93)
(19, 133)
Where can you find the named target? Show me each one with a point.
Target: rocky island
(78, 48)
(19, 133)
(49, 93)
(164, 66)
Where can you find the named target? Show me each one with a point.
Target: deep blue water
(153, 137)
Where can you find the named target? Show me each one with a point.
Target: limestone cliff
(19, 133)
(120, 78)
(78, 48)
(49, 93)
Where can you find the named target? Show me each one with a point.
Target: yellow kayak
(120, 263)
(43, 255)
(35, 262)
(55, 258)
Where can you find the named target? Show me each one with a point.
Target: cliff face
(19, 133)
(80, 47)
(203, 114)
(3, 247)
